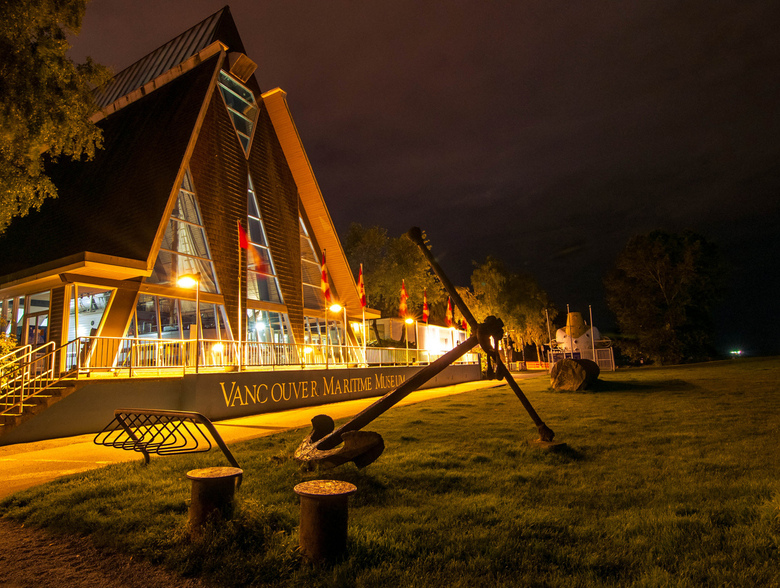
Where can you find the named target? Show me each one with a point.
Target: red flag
(426, 312)
(404, 297)
(253, 259)
(448, 316)
(464, 324)
(324, 286)
(361, 288)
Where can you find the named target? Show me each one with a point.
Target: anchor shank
(415, 234)
(390, 399)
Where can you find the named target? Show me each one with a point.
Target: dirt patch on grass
(34, 558)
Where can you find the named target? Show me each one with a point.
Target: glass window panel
(268, 327)
(263, 288)
(8, 315)
(256, 234)
(188, 319)
(264, 260)
(312, 297)
(169, 318)
(241, 106)
(92, 303)
(186, 207)
(169, 266)
(306, 251)
(39, 302)
(146, 316)
(184, 249)
(236, 88)
(186, 183)
(185, 238)
(311, 273)
(315, 330)
(243, 125)
(250, 202)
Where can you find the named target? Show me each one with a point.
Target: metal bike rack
(164, 432)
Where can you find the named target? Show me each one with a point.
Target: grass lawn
(671, 477)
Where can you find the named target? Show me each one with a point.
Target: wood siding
(219, 176)
(277, 197)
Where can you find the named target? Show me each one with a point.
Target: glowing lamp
(188, 281)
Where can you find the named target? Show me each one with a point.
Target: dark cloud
(546, 133)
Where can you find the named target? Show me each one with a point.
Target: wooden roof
(113, 204)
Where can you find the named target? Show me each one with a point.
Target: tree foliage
(663, 290)
(46, 99)
(517, 299)
(388, 260)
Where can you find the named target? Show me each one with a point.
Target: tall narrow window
(185, 249)
(241, 106)
(311, 272)
(261, 281)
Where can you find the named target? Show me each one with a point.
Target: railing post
(132, 356)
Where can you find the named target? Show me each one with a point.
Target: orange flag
(253, 259)
(324, 286)
(361, 288)
(448, 316)
(404, 297)
(426, 311)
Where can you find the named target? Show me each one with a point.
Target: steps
(35, 405)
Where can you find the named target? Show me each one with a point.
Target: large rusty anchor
(327, 446)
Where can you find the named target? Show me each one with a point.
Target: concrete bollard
(213, 490)
(324, 513)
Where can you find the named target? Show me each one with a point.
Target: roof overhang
(313, 203)
(81, 267)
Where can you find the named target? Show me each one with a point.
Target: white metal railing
(24, 373)
(141, 356)
(604, 357)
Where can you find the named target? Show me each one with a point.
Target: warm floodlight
(409, 320)
(335, 307)
(218, 348)
(188, 281)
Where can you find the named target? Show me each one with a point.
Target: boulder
(574, 374)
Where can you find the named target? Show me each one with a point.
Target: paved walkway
(29, 464)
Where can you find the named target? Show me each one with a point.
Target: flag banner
(402, 309)
(254, 260)
(464, 324)
(448, 316)
(324, 285)
(361, 288)
(426, 310)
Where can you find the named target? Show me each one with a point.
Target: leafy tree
(46, 99)
(662, 291)
(517, 299)
(386, 261)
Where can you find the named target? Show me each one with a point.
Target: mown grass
(670, 477)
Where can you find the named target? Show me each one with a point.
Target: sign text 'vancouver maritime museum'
(182, 267)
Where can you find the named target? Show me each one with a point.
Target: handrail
(161, 356)
(29, 374)
(16, 353)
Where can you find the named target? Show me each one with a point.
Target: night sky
(543, 132)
